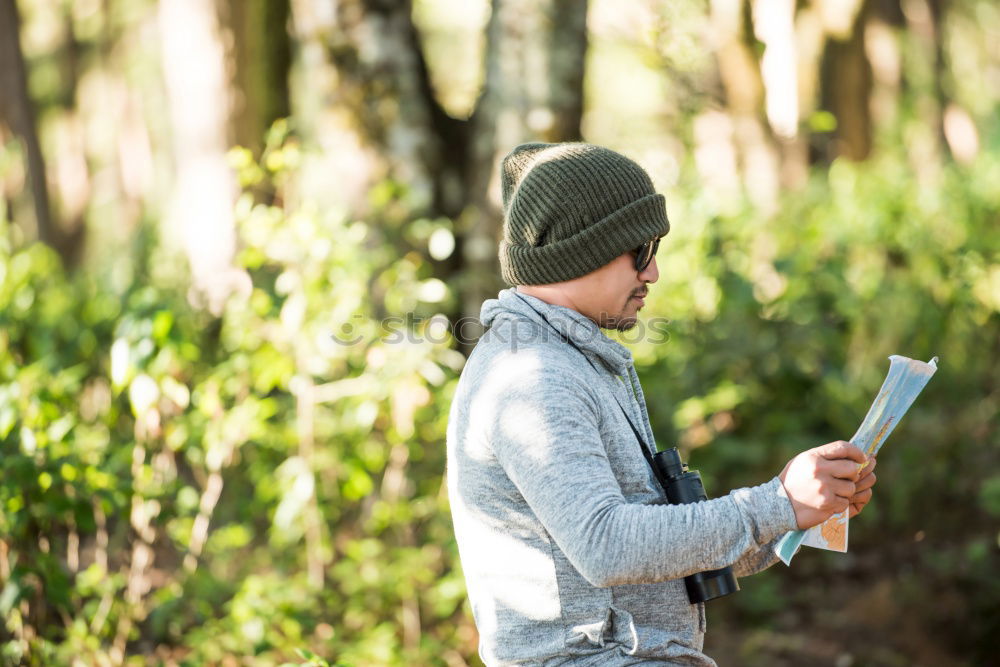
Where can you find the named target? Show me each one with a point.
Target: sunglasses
(644, 254)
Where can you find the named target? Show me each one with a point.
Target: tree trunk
(262, 55)
(201, 209)
(567, 46)
(846, 87)
(383, 79)
(937, 9)
(17, 112)
(533, 90)
(737, 147)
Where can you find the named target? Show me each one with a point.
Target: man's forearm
(756, 560)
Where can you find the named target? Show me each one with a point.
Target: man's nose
(651, 273)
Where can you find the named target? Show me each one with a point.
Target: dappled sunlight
(505, 562)
(512, 370)
(515, 574)
(523, 423)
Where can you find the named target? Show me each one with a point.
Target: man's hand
(825, 480)
(863, 489)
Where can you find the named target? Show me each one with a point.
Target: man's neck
(550, 294)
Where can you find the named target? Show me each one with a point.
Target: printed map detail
(834, 533)
(905, 381)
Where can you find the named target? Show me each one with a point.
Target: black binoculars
(684, 486)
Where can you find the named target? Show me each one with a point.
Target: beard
(626, 324)
(621, 321)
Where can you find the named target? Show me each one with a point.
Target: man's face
(612, 295)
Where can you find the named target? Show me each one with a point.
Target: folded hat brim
(590, 249)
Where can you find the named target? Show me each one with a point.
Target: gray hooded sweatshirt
(570, 554)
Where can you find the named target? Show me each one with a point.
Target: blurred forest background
(204, 201)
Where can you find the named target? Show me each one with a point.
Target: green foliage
(244, 485)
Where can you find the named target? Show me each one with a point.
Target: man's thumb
(841, 449)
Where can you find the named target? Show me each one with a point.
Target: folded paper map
(904, 382)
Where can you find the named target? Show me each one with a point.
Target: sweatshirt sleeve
(757, 560)
(545, 434)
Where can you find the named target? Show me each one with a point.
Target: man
(570, 553)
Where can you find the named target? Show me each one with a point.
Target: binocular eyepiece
(684, 486)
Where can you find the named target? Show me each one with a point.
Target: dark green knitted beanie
(572, 208)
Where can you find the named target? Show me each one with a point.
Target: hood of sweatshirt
(529, 316)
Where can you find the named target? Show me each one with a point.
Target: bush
(185, 486)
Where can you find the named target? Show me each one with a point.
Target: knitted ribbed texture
(572, 208)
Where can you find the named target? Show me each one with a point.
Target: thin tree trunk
(741, 137)
(17, 112)
(937, 9)
(141, 561)
(305, 421)
(262, 56)
(846, 88)
(567, 46)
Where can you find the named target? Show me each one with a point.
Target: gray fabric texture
(570, 554)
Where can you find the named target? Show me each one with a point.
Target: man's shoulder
(537, 363)
(544, 352)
